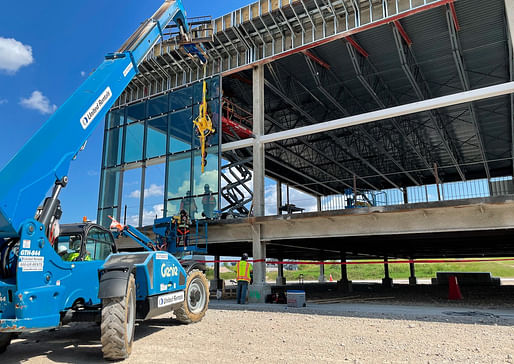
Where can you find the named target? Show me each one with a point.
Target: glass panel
(113, 142)
(207, 204)
(179, 175)
(156, 137)
(98, 246)
(103, 216)
(131, 196)
(181, 127)
(173, 207)
(110, 185)
(136, 112)
(209, 177)
(181, 98)
(214, 87)
(158, 106)
(116, 118)
(134, 142)
(153, 205)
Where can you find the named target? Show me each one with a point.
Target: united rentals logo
(97, 106)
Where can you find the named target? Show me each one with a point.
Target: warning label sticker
(31, 264)
(161, 256)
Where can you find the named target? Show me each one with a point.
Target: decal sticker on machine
(161, 256)
(164, 287)
(95, 108)
(127, 70)
(30, 253)
(26, 244)
(168, 271)
(31, 264)
(170, 298)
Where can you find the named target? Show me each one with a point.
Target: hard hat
(61, 249)
(244, 256)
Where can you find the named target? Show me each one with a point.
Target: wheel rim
(196, 296)
(130, 318)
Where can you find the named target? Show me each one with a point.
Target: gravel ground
(276, 334)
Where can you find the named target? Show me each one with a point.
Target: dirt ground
(332, 333)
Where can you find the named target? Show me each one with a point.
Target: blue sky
(47, 48)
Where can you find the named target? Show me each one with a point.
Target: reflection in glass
(153, 205)
(116, 118)
(210, 175)
(156, 137)
(112, 153)
(136, 112)
(131, 195)
(158, 106)
(110, 185)
(188, 204)
(134, 142)
(179, 175)
(209, 204)
(180, 98)
(181, 127)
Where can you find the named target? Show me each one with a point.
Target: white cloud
(14, 55)
(153, 190)
(3, 101)
(38, 101)
(83, 74)
(148, 216)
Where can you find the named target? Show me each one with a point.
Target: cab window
(68, 245)
(98, 244)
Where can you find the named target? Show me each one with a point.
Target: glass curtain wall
(152, 158)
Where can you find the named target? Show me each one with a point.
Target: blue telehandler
(51, 274)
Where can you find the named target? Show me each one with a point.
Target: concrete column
(258, 290)
(344, 284)
(412, 279)
(258, 147)
(318, 203)
(281, 280)
(386, 281)
(321, 277)
(405, 195)
(279, 197)
(509, 9)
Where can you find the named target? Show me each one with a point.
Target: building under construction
(396, 116)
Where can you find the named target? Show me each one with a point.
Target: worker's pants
(242, 287)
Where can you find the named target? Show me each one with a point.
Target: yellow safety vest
(243, 269)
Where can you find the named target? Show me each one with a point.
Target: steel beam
(420, 86)
(453, 27)
(415, 107)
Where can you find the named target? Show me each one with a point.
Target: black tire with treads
(118, 323)
(5, 340)
(196, 298)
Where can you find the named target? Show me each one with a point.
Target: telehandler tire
(196, 299)
(5, 340)
(118, 323)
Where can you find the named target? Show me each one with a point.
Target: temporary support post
(321, 277)
(405, 195)
(412, 279)
(318, 203)
(281, 280)
(259, 289)
(217, 282)
(386, 281)
(345, 284)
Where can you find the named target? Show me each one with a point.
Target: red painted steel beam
(230, 126)
(357, 47)
(402, 32)
(341, 35)
(316, 59)
(454, 16)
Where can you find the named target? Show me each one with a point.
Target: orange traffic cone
(331, 279)
(453, 289)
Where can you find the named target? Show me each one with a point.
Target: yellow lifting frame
(203, 123)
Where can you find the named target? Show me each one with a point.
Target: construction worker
(183, 229)
(243, 277)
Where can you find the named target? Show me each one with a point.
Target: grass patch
(503, 269)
